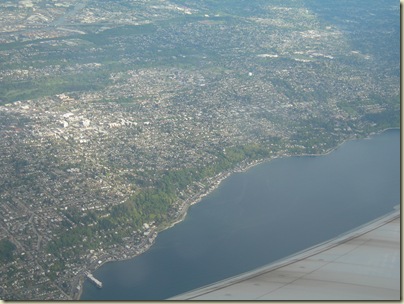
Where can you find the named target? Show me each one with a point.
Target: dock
(94, 280)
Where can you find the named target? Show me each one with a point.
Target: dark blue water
(254, 218)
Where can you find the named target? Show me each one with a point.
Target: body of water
(254, 218)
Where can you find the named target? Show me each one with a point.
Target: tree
(6, 250)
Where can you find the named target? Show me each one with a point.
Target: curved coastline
(214, 184)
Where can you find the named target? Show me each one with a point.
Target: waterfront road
(363, 264)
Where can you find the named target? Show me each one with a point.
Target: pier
(94, 280)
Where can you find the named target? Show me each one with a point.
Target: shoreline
(213, 185)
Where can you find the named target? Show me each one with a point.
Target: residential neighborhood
(107, 104)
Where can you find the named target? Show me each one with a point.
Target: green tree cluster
(149, 204)
(6, 251)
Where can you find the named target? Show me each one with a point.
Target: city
(115, 116)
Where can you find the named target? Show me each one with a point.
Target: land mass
(115, 116)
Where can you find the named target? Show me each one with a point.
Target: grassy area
(23, 90)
